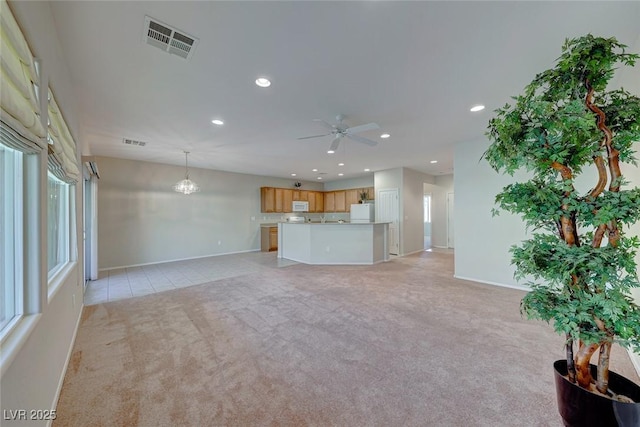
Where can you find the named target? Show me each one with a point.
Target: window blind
(22, 127)
(63, 161)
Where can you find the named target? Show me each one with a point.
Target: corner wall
(34, 378)
(141, 220)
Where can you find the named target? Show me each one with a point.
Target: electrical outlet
(253, 218)
(219, 242)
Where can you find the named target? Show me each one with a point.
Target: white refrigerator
(363, 212)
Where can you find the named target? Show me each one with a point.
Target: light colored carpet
(395, 344)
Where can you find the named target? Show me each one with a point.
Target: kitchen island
(334, 243)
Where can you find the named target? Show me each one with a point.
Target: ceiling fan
(341, 129)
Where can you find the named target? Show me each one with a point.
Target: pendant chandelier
(186, 186)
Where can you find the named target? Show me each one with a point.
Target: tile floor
(147, 279)
(132, 282)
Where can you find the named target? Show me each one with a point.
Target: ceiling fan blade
(325, 124)
(335, 143)
(314, 136)
(362, 128)
(362, 139)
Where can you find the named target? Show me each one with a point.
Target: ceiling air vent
(133, 142)
(168, 39)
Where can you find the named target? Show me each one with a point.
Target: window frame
(12, 246)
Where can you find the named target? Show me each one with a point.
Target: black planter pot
(579, 407)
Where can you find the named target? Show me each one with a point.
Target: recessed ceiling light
(385, 135)
(340, 174)
(263, 82)
(433, 161)
(293, 174)
(330, 151)
(314, 170)
(367, 170)
(319, 177)
(478, 107)
(340, 164)
(217, 122)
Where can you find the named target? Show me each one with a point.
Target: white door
(388, 210)
(450, 243)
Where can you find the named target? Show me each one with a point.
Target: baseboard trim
(178, 259)
(488, 282)
(56, 397)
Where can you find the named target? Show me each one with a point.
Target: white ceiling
(415, 68)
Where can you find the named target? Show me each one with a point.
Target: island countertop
(334, 223)
(348, 243)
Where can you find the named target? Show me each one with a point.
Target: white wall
(141, 220)
(33, 379)
(482, 241)
(345, 184)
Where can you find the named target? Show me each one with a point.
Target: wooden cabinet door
(311, 198)
(267, 199)
(340, 201)
(352, 197)
(287, 198)
(273, 238)
(296, 195)
(304, 195)
(330, 201)
(319, 202)
(279, 199)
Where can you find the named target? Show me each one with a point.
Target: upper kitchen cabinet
(341, 201)
(275, 200)
(279, 200)
(319, 201)
(311, 198)
(267, 199)
(330, 201)
(335, 201)
(352, 196)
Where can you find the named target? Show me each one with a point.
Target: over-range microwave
(299, 206)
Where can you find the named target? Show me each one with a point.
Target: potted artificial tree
(571, 134)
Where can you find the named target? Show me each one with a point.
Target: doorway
(427, 221)
(388, 210)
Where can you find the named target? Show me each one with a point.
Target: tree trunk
(583, 370)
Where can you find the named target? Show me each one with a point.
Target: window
(427, 208)
(58, 224)
(11, 236)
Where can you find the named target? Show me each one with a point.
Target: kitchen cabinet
(341, 201)
(311, 198)
(352, 196)
(279, 200)
(267, 199)
(268, 238)
(319, 201)
(287, 198)
(329, 201)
